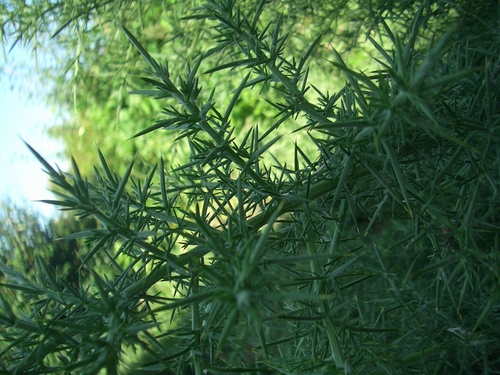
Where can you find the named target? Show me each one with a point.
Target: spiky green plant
(377, 253)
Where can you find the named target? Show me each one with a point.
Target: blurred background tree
(93, 67)
(26, 239)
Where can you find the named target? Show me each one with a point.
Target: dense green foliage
(376, 251)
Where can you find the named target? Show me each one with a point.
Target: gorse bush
(378, 252)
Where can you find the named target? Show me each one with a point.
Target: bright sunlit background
(24, 116)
